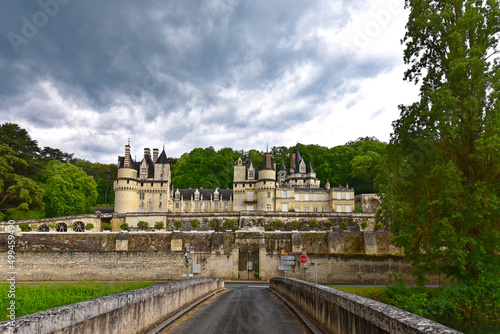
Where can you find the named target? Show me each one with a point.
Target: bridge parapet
(127, 312)
(340, 312)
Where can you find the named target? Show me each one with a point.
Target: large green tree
(68, 189)
(18, 193)
(441, 190)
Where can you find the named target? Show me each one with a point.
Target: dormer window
(250, 174)
(197, 196)
(177, 195)
(216, 196)
(143, 173)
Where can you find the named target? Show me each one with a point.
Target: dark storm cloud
(129, 64)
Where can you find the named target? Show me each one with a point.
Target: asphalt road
(244, 308)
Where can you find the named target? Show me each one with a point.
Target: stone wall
(340, 257)
(339, 312)
(128, 312)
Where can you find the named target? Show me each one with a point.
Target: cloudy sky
(84, 76)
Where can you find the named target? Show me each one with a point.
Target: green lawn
(31, 298)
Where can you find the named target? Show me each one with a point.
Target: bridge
(284, 306)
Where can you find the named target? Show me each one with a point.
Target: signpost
(284, 267)
(287, 261)
(287, 258)
(303, 260)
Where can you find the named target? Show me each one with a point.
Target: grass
(32, 298)
(372, 292)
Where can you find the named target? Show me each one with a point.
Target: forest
(38, 182)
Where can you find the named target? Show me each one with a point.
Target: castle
(146, 186)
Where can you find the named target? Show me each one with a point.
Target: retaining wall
(127, 312)
(340, 312)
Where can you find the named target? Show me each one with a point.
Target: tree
(24, 147)
(68, 189)
(18, 193)
(442, 188)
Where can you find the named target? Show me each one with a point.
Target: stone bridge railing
(127, 312)
(340, 312)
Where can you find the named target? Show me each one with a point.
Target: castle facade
(146, 186)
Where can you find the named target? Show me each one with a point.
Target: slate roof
(162, 159)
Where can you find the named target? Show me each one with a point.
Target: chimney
(146, 151)
(268, 161)
(155, 154)
(293, 164)
(126, 163)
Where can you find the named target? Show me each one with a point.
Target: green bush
(411, 299)
(294, 224)
(51, 225)
(159, 225)
(364, 225)
(328, 225)
(269, 228)
(278, 224)
(212, 224)
(379, 226)
(25, 227)
(178, 224)
(313, 224)
(344, 226)
(89, 226)
(229, 224)
(106, 226)
(142, 225)
(195, 223)
(124, 226)
(256, 269)
(358, 208)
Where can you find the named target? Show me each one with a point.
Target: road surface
(244, 308)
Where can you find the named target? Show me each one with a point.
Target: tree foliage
(18, 193)
(441, 185)
(68, 189)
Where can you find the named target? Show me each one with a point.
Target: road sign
(303, 259)
(287, 258)
(188, 261)
(290, 263)
(287, 268)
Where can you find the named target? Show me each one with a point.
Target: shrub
(379, 226)
(328, 225)
(195, 223)
(178, 224)
(34, 227)
(269, 228)
(159, 225)
(412, 299)
(51, 225)
(25, 227)
(124, 226)
(358, 208)
(364, 225)
(278, 224)
(344, 226)
(106, 226)
(89, 226)
(229, 224)
(142, 225)
(313, 224)
(212, 224)
(256, 269)
(294, 224)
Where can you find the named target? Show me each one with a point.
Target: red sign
(303, 259)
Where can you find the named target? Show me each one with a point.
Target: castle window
(268, 207)
(250, 174)
(161, 176)
(250, 195)
(315, 197)
(128, 181)
(306, 209)
(161, 184)
(196, 205)
(324, 209)
(206, 205)
(302, 168)
(186, 205)
(315, 209)
(216, 196)
(347, 195)
(216, 205)
(196, 196)
(324, 197)
(143, 173)
(339, 208)
(151, 184)
(142, 184)
(339, 195)
(347, 208)
(284, 194)
(159, 205)
(177, 205)
(141, 195)
(177, 195)
(225, 205)
(306, 197)
(268, 194)
(160, 196)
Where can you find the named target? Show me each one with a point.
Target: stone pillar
(262, 261)
(176, 242)
(369, 243)
(235, 256)
(334, 242)
(121, 243)
(296, 242)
